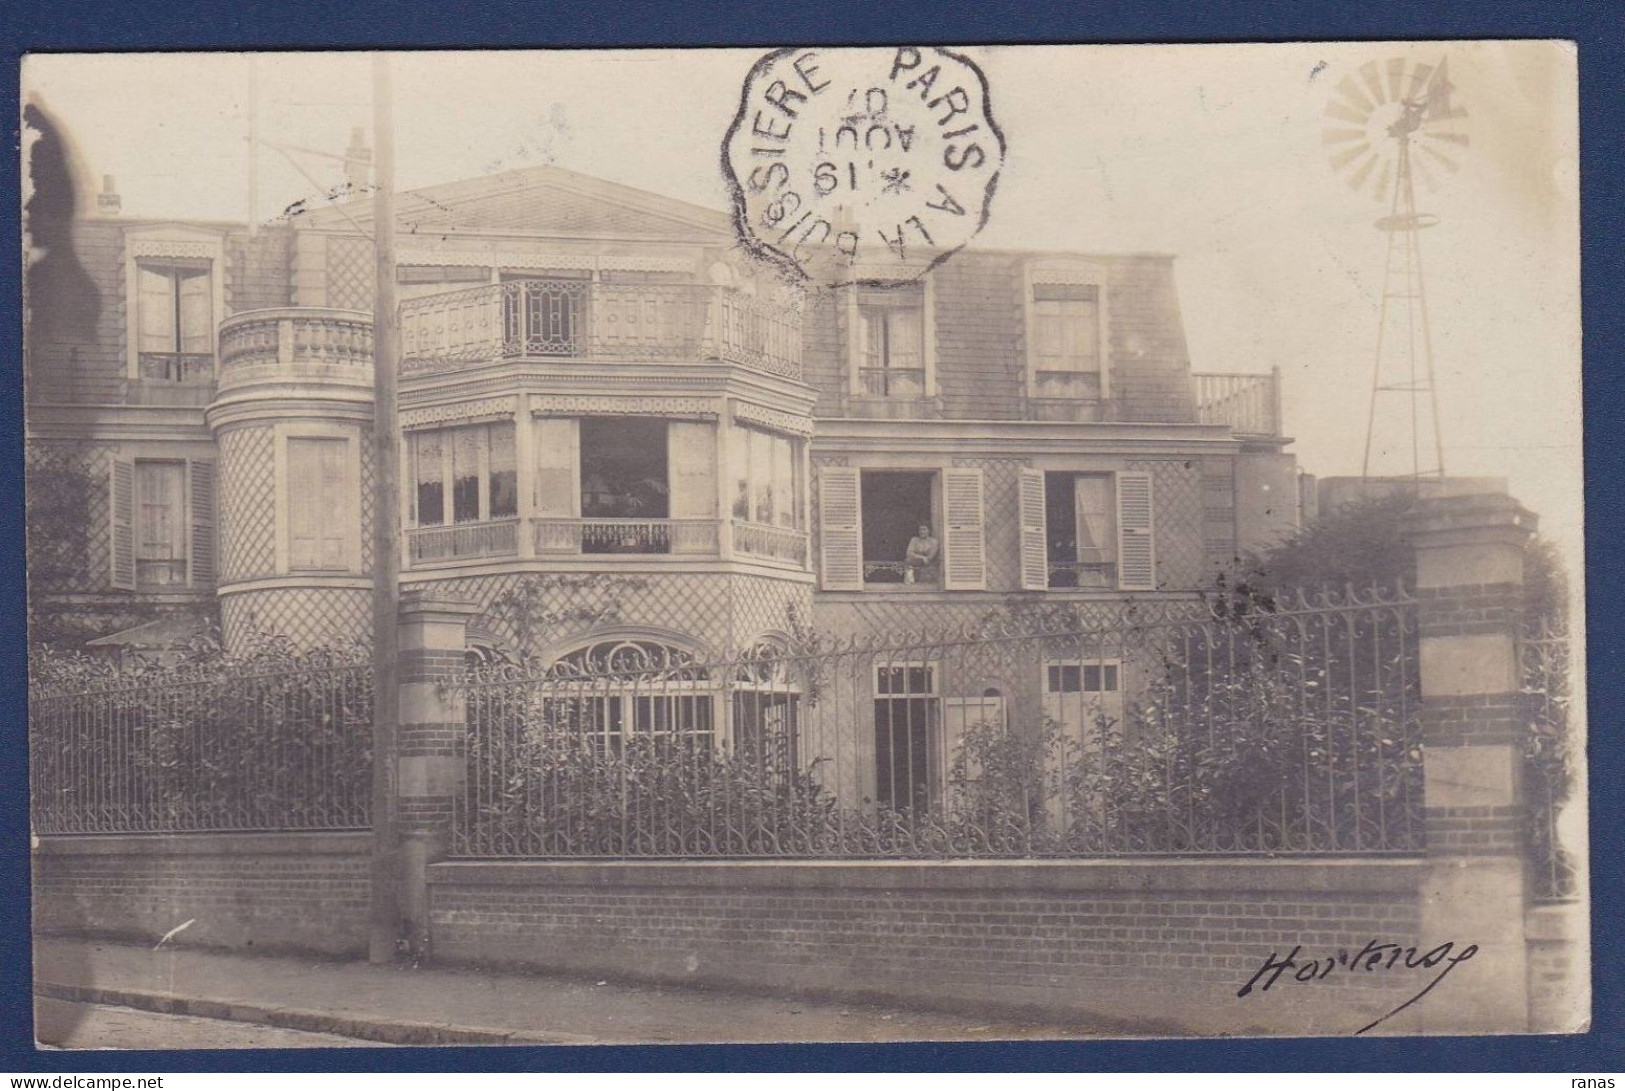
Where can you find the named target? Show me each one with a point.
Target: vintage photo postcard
(810, 544)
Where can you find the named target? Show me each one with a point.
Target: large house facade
(607, 409)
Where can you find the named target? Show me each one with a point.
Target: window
(891, 342)
(160, 523)
(1066, 341)
(766, 473)
(625, 485)
(174, 321)
(1082, 519)
(902, 528)
(161, 516)
(319, 498)
(901, 540)
(1083, 696)
(907, 742)
(467, 474)
(1087, 530)
(629, 690)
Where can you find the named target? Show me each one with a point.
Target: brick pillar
(429, 747)
(1469, 574)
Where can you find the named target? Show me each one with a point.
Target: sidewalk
(404, 1006)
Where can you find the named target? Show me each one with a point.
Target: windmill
(1386, 125)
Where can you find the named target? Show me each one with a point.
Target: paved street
(96, 1026)
(465, 1004)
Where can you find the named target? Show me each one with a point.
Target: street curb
(321, 1022)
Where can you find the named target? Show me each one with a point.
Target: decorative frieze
(775, 420)
(588, 405)
(484, 409)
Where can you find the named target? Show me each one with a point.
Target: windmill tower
(1386, 126)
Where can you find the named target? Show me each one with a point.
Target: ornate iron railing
(1249, 404)
(1081, 575)
(777, 543)
(282, 750)
(629, 536)
(496, 538)
(580, 319)
(1069, 730)
(1545, 659)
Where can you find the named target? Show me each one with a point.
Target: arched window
(766, 708)
(617, 690)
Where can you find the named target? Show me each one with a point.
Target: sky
(1213, 153)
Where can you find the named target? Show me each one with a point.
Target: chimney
(107, 201)
(357, 162)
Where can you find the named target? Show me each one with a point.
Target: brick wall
(1151, 945)
(266, 891)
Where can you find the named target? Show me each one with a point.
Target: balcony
(462, 541)
(302, 344)
(1250, 405)
(627, 537)
(771, 542)
(585, 320)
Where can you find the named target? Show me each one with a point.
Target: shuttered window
(121, 509)
(840, 516)
(319, 506)
(1034, 533)
(200, 485)
(965, 560)
(1136, 549)
(162, 523)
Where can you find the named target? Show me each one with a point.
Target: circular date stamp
(871, 165)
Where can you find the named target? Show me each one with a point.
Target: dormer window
(175, 320)
(174, 299)
(1068, 365)
(1066, 340)
(891, 338)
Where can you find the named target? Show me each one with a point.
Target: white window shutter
(964, 566)
(1034, 532)
(201, 546)
(121, 515)
(1136, 549)
(840, 529)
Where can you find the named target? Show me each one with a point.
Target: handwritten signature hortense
(1374, 957)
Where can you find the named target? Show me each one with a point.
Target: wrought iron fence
(1065, 731)
(281, 750)
(1545, 661)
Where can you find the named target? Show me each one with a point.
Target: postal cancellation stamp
(866, 165)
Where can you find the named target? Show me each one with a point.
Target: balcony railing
(776, 543)
(1249, 404)
(462, 541)
(178, 367)
(900, 572)
(636, 537)
(302, 343)
(578, 319)
(893, 382)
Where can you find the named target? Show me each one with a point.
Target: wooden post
(384, 934)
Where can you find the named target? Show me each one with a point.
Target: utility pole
(385, 929)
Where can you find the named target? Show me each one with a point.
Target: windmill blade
(1341, 136)
(1382, 184)
(1355, 94)
(1373, 81)
(1396, 77)
(1361, 173)
(1419, 82)
(1459, 139)
(1426, 175)
(1344, 113)
(1341, 159)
